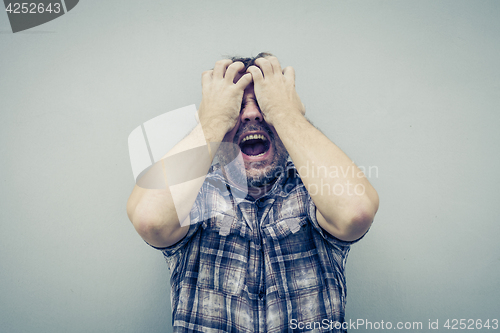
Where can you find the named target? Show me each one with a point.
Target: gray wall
(410, 88)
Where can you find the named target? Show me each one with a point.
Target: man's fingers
(232, 70)
(289, 74)
(244, 81)
(256, 73)
(220, 68)
(206, 77)
(275, 63)
(265, 66)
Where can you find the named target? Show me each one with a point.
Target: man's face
(264, 155)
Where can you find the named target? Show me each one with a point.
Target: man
(260, 244)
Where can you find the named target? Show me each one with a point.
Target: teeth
(253, 137)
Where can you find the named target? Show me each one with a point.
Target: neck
(258, 192)
(255, 192)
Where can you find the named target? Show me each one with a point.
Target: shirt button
(261, 294)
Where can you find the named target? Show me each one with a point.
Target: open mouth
(255, 145)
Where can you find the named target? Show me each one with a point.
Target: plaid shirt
(256, 265)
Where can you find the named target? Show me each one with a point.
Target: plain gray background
(409, 87)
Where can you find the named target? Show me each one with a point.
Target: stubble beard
(253, 174)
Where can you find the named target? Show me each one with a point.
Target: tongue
(252, 149)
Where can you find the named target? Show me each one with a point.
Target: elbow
(145, 224)
(358, 225)
(367, 208)
(156, 230)
(362, 216)
(152, 230)
(357, 219)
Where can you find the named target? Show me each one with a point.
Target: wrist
(214, 129)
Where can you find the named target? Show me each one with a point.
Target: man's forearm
(339, 189)
(161, 215)
(158, 214)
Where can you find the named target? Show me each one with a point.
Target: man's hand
(221, 101)
(275, 89)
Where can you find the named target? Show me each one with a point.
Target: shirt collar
(217, 179)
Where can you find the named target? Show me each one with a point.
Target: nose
(251, 113)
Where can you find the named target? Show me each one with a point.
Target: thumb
(289, 73)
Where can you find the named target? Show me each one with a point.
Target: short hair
(250, 61)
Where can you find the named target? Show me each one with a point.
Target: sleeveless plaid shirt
(254, 266)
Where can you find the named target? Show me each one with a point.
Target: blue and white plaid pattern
(257, 265)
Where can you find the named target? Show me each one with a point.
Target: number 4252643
(470, 324)
(33, 8)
